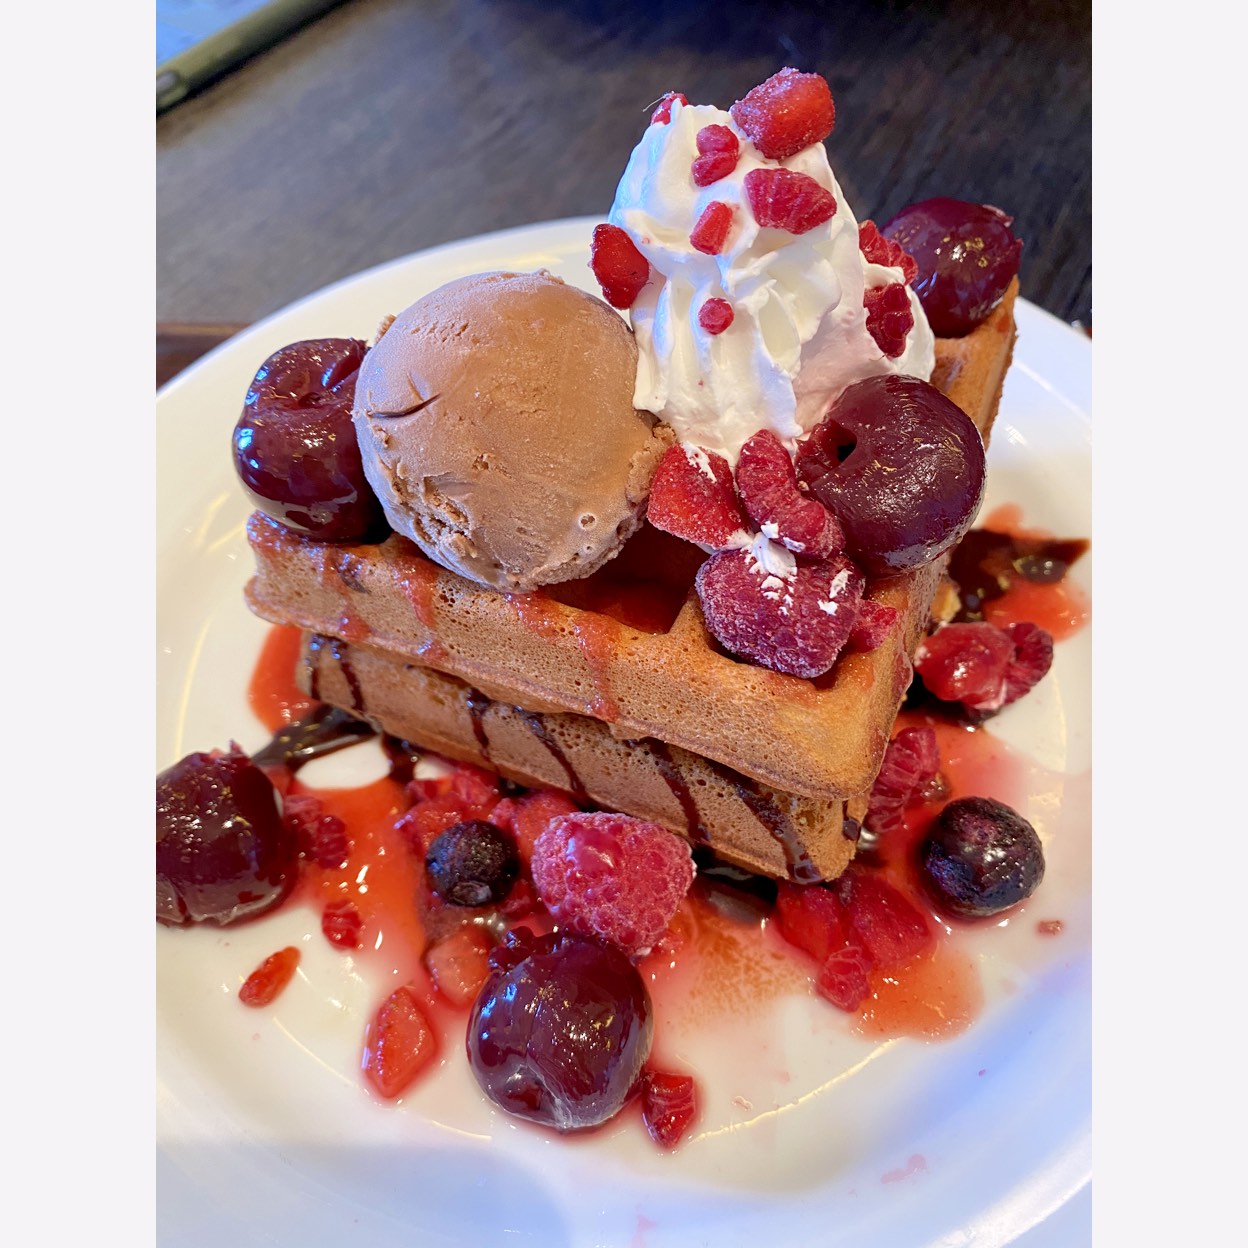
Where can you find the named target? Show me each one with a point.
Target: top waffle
(628, 645)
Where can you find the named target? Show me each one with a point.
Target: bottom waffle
(745, 822)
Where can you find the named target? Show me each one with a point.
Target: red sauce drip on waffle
(597, 635)
(418, 579)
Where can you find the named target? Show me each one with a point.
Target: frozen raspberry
(767, 485)
(719, 150)
(620, 268)
(341, 924)
(668, 1105)
(880, 250)
(964, 662)
(662, 114)
(911, 760)
(982, 666)
(711, 231)
(875, 621)
(322, 837)
(788, 112)
(715, 315)
(762, 605)
(612, 876)
(692, 496)
(889, 317)
(1033, 656)
(785, 200)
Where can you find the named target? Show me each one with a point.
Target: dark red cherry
(981, 857)
(902, 468)
(223, 852)
(967, 256)
(295, 448)
(561, 1029)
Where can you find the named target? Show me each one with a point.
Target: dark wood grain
(391, 125)
(178, 345)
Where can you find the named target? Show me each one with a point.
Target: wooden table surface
(387, 126)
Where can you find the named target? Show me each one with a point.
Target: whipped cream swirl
(799, 334)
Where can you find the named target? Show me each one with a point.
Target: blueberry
(981, 857)
(472, 863)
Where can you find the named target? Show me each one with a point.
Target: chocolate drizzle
(477, 704)
(797, 861)
(321, 732)
(317, 642)
(671, 772)
(537, 726)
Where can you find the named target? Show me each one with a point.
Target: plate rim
(1071, 338)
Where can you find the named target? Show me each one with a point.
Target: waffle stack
(611, 687)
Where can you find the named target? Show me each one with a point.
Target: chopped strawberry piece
(880, 250)
(398, 1043)
(874, 623)
(767, 484)
(341, 924)
(792, 618)
(910, 762)
(431, 786)
(813, 918)
(662, 114)
(264, 984)
(889, 317)
(715, 315)
(615, 877)
(719, 150)
(889, 928)
(692, 496)
(459, 963)
(477, 787)
(427, 820)
(521, 900)
(785, 200)
(620, 268)
(842, 978)
(788, 112)
(533, 812)
(668, 1105)
(711, 231)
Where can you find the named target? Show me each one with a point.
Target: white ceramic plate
(266, 1134)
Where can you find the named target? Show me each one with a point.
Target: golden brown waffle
(752, 825)
(629, 647)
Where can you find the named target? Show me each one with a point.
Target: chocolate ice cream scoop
(496, 423)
